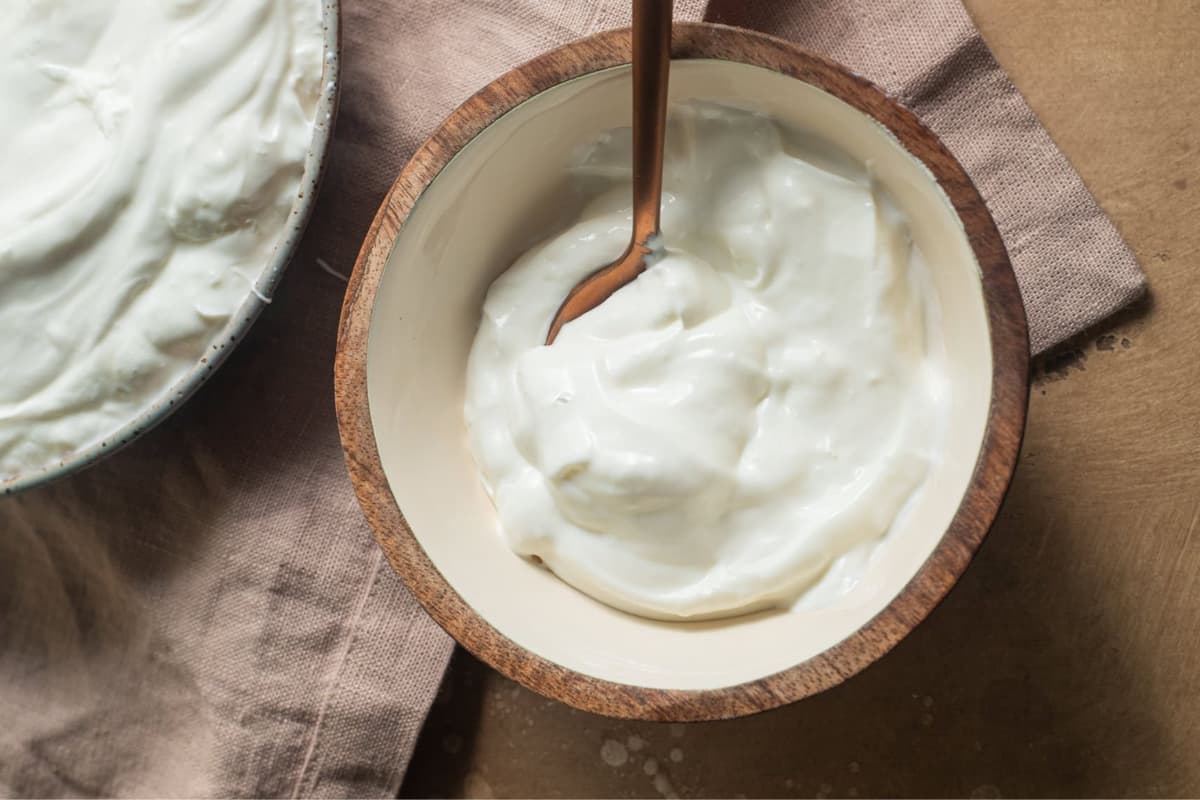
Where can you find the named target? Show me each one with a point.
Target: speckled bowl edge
(219, 348)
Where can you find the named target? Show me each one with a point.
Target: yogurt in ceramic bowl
(160, 160)
(749, 473)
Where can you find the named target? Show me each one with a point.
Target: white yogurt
(152, 150)
(753, 410)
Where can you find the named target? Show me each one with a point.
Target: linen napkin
(206, 613)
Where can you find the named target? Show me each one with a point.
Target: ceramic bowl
(474, 197)
(212, 354)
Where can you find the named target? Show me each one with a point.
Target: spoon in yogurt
(651, 68)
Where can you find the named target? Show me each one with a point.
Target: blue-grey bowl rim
(219, 348)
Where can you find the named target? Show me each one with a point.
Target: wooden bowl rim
(971, 522)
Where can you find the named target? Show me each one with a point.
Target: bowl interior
(504, 192)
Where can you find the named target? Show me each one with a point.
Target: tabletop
(1067, 660)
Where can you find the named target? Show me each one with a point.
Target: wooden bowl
(468, 203)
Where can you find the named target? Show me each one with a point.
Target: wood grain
(979, 507)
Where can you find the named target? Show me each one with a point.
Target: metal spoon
(651, 67)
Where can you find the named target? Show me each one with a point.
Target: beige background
(1067, 661)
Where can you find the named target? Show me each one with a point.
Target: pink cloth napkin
(206, 613)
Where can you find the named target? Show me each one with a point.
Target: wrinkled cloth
(206, 613)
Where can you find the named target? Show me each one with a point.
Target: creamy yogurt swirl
(756, 406)
(152, 152)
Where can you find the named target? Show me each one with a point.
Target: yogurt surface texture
(741, 425)
(152, 153)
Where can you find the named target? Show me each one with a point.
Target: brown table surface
(1067, 660)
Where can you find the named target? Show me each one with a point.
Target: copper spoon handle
(651, 69)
